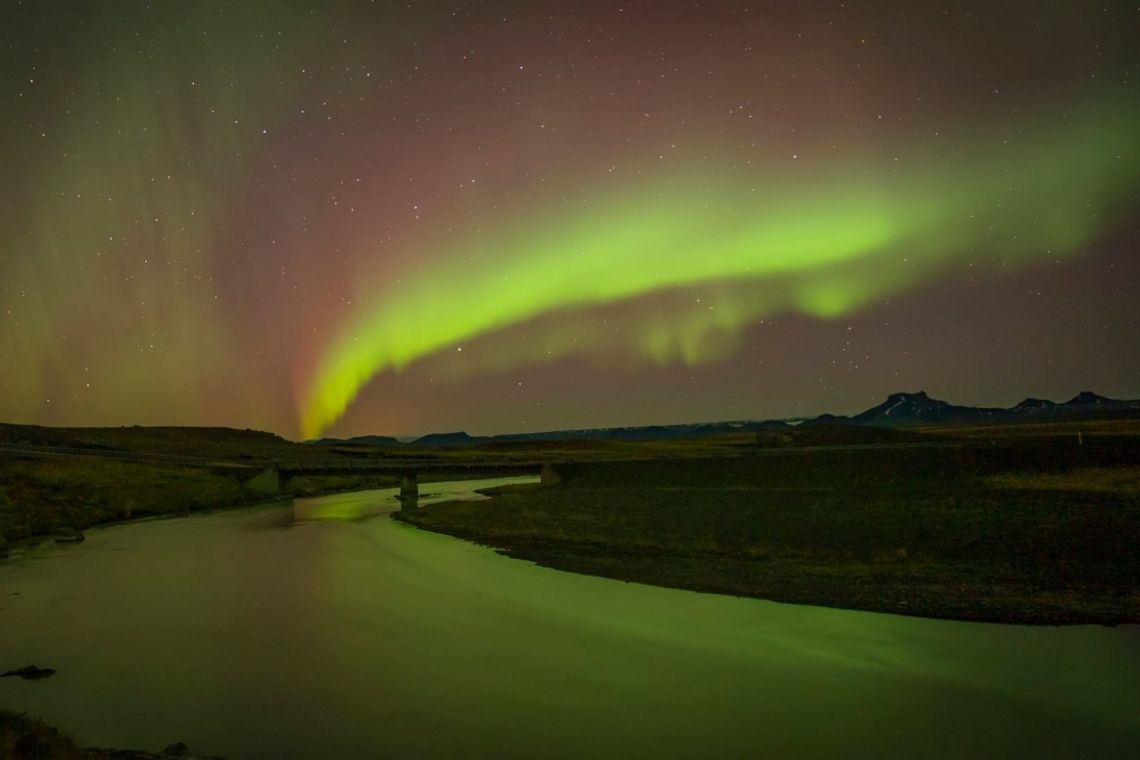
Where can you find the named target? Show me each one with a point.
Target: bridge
(270, 476)
(277, 476)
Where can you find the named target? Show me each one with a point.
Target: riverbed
(324, 629)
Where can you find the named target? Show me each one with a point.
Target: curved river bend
(309, 631)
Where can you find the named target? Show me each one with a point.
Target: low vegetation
(66, 479)
(26, 738)
(1122, 480)
(43, 496)
(23, 737)
(1022, 523)
(215, 444)
(1032, 530)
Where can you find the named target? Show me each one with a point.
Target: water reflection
(350, 507)
(371, 638)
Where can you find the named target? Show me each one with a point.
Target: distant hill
(916, 409)
(446, 439)
(199, 442)
(900, 410)
(1035, 403)
(646, 433)
(826, 419)
(1089, 400)
(373, 440)
(909, 409)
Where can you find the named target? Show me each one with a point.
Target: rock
(3, 546)
(30, 673)
(178, 749)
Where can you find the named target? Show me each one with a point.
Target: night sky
(340, 218)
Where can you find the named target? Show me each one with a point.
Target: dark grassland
(63, 479)
(1009, 523)
(40, 496)
(66, 479)
(1025, 527)
(1014, 523)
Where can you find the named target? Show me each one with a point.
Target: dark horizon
(842, 417)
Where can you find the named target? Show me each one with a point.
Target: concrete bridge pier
(409, 488)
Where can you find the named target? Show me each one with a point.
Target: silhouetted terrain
(899, 410)
(67, 479)
(988, 518)
(217, 444)
(1038, 526)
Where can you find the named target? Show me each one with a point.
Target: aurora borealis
(347, 218)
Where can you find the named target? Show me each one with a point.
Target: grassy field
(1037, 431)
(1030, 528)
(215, 444)
(65, 479)
(101, 475)
(1022, 523)
(42, 496)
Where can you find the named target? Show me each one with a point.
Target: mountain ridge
(900, 409)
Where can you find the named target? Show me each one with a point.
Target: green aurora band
(824, 248)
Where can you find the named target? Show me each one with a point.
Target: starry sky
(343, 218)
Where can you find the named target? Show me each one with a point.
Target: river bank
(41, 498)
(26, 738)
(1026, 535)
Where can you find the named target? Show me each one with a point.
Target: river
(323, 629)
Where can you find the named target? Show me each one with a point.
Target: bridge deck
(399, 467)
